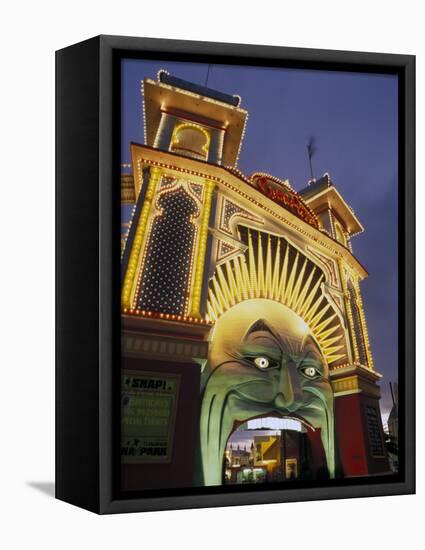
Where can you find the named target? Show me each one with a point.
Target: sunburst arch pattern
(272, 268)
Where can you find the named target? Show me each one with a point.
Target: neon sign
(278, 193)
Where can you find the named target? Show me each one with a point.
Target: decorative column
(363, 323)
(355, 351)
(359, 431)
(130, 277)
(201, 250)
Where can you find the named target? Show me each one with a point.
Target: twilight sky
(354, 119)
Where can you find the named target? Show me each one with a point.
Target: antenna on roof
(311, 149)
(208, 74)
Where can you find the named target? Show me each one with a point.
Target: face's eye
(262, 363)
(311, 372)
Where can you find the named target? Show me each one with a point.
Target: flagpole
(311, 166)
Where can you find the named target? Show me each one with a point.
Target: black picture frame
(87, 273)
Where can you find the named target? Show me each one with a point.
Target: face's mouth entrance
(274, 448)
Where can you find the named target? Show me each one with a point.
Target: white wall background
(30, 32)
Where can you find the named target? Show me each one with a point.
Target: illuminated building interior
(274, 450)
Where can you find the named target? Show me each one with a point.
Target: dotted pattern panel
(230, 209)
(166, 273)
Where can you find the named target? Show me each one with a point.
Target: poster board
(148, 405)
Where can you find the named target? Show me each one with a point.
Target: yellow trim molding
(136, 249)
(201, 250)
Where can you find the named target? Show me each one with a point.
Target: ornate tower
(170, 236)
(358, 420)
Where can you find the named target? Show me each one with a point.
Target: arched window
(166, 272)
(190, 140)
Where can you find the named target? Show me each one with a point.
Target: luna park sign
(278, 193)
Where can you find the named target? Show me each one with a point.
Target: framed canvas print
(235, 274)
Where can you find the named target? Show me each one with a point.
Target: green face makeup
(263, 360)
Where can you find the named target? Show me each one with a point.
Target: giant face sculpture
(263, 360)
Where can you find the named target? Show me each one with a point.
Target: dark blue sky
(354, 119)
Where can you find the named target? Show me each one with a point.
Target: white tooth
(273, 423)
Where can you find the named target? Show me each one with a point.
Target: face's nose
(289, 391)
